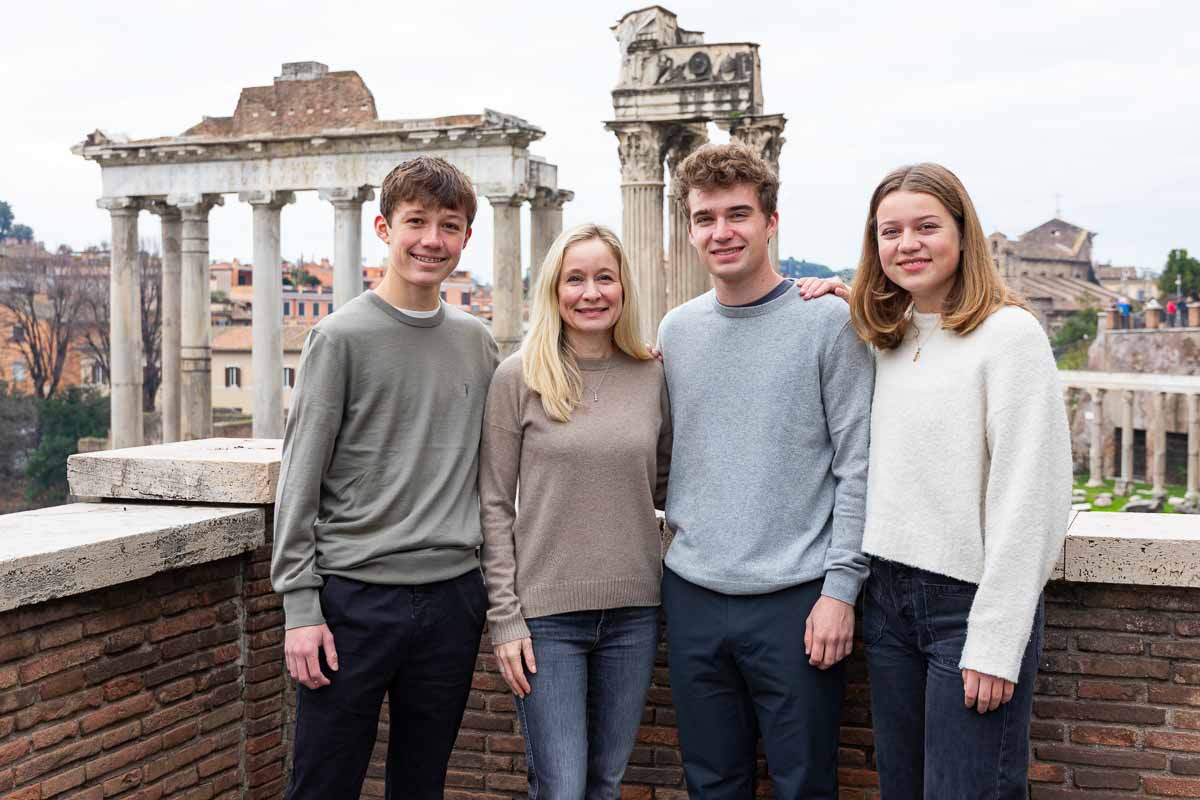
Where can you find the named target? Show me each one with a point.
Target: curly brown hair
(719, 166)
(428, 179)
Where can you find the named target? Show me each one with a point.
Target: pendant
(595, 397)
(916, 355)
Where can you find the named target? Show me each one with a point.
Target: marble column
(1158, 468)
(172, 298)
(266, 351)
(763, 134)
(1096, 434)
(508, 304)
(1193, 448)
(347, 240)
(195, 357)
(124, 321)
(687, 276)
(1124, 484)
(641, 146)
(545, 224)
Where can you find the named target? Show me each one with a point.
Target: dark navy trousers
(738, 668)
(928, 744)
(417, 645)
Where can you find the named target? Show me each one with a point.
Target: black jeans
(738, 668)
(418, 645)
(928, 744)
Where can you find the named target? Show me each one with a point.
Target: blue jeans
(581, 716)
(928, 744)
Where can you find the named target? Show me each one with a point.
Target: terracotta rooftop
(238, 338)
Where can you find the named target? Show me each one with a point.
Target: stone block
(67, 550)
(202, 471)
(1143, 549)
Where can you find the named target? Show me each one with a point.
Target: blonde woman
(578, 422)
(967, 494)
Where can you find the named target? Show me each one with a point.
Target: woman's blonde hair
(879, 307)
(548, 362)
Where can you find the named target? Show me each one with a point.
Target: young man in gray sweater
(770, 398)
(377, 516)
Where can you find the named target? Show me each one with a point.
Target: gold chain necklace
(928, 336)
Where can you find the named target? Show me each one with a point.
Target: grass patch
(1143, 489)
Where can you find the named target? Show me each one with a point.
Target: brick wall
(168, 687)
(1117, 712)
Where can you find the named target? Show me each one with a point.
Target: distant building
(1051, 267)
(1138, 285)
(233, 375)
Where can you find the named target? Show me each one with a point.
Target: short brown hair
(430, 180)
(879, 307)
(719, 166)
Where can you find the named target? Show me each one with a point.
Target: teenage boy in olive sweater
(377, 516)
(770, 400)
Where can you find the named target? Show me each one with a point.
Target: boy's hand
(300, 650)
(829, 632)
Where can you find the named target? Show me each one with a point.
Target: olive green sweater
(381, 452)
(585, 535)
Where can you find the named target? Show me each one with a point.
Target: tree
(1180, 264)
(6, 219)
(94, 334)
(42, 298)
(22, 233)
(63, 421)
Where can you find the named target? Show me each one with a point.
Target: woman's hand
(509, 656)
(815, 287)
(985, 692)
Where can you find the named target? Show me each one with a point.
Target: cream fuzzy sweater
(970, 471)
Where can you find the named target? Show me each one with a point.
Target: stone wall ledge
(1138, 549)
(67, 550)
(225, 471)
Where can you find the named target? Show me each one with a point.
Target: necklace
(596, 389)
(921, 344)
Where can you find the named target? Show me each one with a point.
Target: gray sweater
(381, 452)
(771, 412)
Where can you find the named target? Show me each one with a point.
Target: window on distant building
(287, 308)
(98, 375)
(233, 377)
(18, 333)
(19, 372)
(466, 299)
(243, 278)
(329, 309)
(300, 308)
(289, 377)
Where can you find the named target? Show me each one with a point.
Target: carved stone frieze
(763, 134)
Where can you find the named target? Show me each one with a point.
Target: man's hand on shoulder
(829, 632)
(301, 647)
(810, 288)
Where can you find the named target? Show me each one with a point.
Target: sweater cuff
(508, 630)
(301, 608)
(842, 584)
(998, 659)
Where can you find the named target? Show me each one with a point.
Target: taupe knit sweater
(585, 536)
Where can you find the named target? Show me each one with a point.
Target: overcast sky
(1093, 101)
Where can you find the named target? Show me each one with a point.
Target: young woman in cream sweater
(967, 499)
(578, 423)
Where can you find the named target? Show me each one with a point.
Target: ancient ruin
(671, 86)
(311, 130)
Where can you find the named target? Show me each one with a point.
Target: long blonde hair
(548, 362)
(878, 307)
